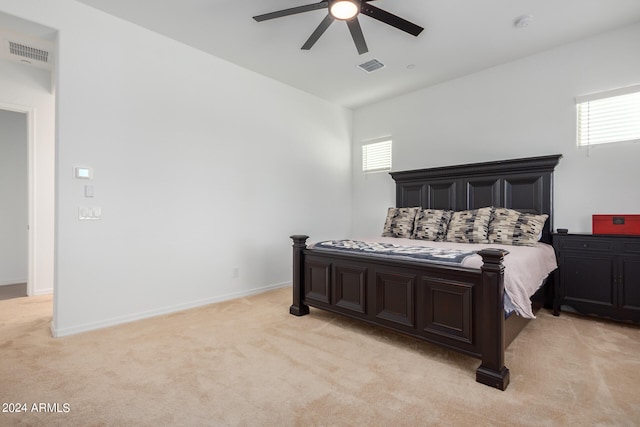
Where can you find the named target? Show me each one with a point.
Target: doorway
(14, 203)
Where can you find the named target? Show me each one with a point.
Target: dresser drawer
(587, 244)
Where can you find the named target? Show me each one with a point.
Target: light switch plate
(89, 213)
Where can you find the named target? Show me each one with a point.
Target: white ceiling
(460, 37)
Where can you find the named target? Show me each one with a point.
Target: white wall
(13, 198)
(520, 109)
(201, 169)
(28, 89)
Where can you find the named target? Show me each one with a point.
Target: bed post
(298, 308)
(492, 371)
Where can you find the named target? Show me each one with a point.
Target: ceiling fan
(348, 11)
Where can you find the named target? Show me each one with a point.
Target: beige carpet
(248, 362)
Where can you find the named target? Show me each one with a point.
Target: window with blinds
(376, 156)
(607, 117)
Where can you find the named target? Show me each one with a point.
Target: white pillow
(470, 226)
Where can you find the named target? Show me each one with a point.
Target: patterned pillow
(470, 226)
(509, 227)
(399, 222)
(431, 224)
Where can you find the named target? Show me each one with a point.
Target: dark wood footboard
(298, 308)
(492, 371)
(457, 308)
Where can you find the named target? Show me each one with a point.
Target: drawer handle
(585, 245)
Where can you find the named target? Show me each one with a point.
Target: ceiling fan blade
(391, 19)
(292, 11)
(313, 38)
(358, 37)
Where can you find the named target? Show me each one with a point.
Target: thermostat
(82, 172)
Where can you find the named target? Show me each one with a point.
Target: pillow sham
(470, 226)
(399, 222)
(510, 227)
(431, 224)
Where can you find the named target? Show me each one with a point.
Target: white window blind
(607, 117)
(376, 156)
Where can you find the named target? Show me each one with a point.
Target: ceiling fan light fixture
(344, 9)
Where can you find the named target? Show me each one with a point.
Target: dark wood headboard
(525, 185)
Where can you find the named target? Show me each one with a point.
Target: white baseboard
(47, 291)
(161, 311)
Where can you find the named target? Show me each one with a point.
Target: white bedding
(526, 267)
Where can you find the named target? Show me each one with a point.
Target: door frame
(31, 241)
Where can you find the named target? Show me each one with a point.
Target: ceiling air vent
(371, 66)
(28, 52)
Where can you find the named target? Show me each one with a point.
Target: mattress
(526, 267)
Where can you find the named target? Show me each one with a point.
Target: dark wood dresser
(598, 275)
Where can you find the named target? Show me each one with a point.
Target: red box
(616, 224)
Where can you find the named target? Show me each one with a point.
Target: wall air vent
(28, 52)
(371, 66)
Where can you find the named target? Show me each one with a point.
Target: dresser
(598, 275)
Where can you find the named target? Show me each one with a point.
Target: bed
(460, 307)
